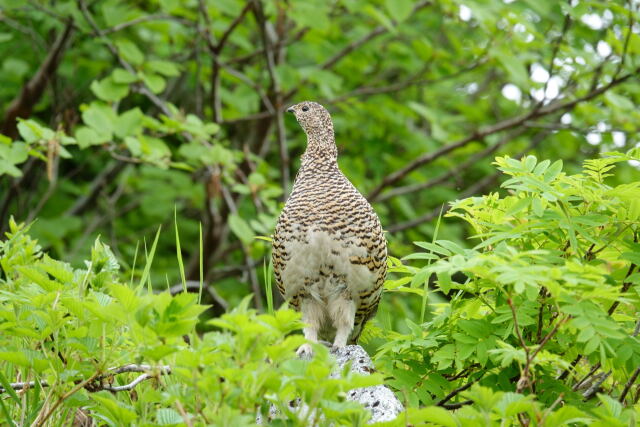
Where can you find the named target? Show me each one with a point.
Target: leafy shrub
(65, 329)
(542, 312)
(536, 324)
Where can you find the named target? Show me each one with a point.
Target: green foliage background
(119, 117)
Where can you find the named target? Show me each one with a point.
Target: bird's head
(313, 117)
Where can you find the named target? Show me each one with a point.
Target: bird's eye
(305, 108)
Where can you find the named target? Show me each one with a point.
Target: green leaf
(87, 136)
(166, 68)
(241, 229)
(130, 51)
(109, 90)
(168, 416)
(553, 171)
(154, 82)
(399, 9)
(123, 76)
(129, 123)
(101, 118)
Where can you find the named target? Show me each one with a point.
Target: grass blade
(179, 251)
(145, 273)
(268, 284)
(201, 264)
(425, 295)
(133, 267)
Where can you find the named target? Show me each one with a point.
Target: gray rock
(379, 399)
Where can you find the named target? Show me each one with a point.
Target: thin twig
(625, 287)
(524, 380)
(472, 190)
(275, 89)
(472, 160)
(550, 409)
(253, 278)
(377, 31)
(396, 87)
(43, 415)
(102, 180)
(584, 379)
(595, 387)
(628, 385)
(238, 19)
(457, 391)
(368, 37)
(625, 47)
(457, 405)
(31, 92)
(94, 383)
(141, 19)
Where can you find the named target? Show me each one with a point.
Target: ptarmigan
(329, 251)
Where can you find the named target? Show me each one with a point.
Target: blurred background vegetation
(114, 113)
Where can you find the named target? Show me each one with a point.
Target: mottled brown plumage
(329, 251)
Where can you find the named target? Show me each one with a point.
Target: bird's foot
(305, 351)
(336, 347)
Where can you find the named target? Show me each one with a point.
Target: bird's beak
(290, 110)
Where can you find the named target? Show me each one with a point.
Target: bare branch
(498, 127)
(452, 172)
(32, 91)
(377, 31)
(457, 391)
(144, 18)
(595, 387)
(474, 189)
(202, 7)
(94, 383)
(380, 29)
(281, 43)
(275, 88)
(414, 80)
(238, 19)
(629, 384)
(46, 412)
(625, 47)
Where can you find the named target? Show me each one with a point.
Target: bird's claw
(305, 351)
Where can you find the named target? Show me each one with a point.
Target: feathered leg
(342, 312)
(312, 315)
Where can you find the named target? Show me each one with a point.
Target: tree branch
(380, 29)
(377, 31)
(452, 172)
(141, 19)
(279, 101)
(629, 384)
(415, 80)
(509, 123)
(458, 390)
(32, 91)
(95, 382)
(474, 189)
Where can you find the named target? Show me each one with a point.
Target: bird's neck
(321, 144)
